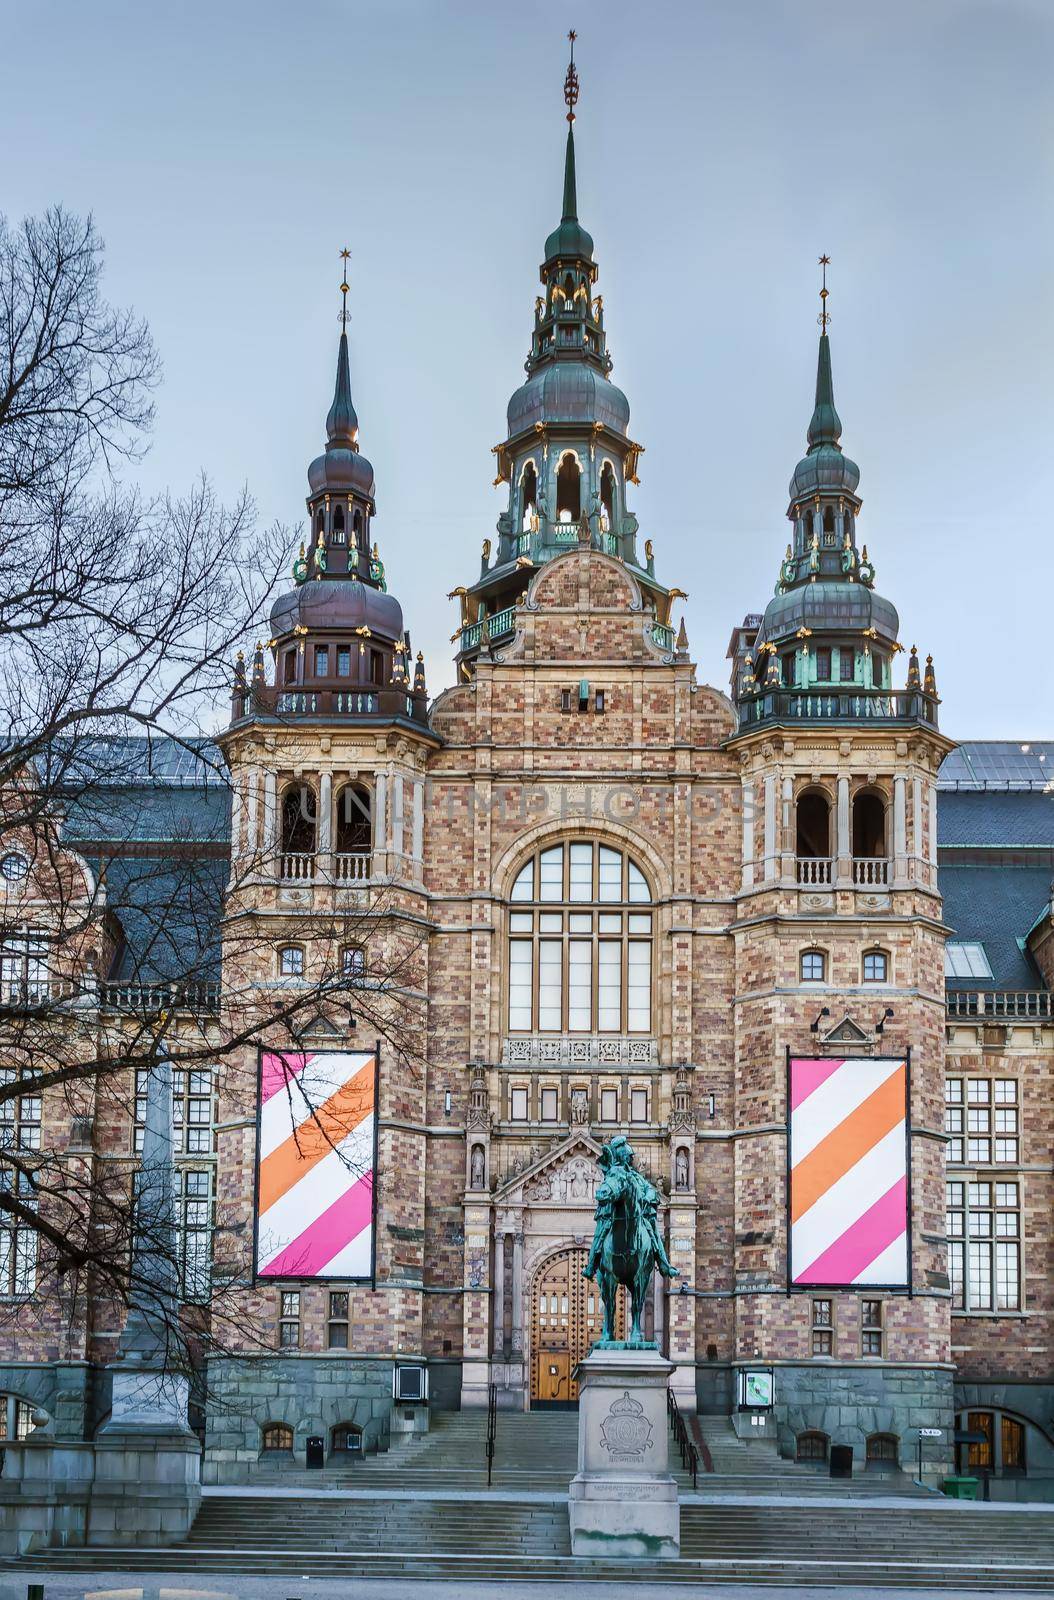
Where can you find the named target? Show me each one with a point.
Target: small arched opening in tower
(339, 532)
(607, 496)
(828, 526)
(528, 496)
(869, 825)
(356, 529)
(568, 488)
(354, 832)
(298, 820)
(813, 827)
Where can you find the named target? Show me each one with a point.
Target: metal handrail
(689, 1454)
(492, 1428)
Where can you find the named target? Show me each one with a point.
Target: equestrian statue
(627, 1245)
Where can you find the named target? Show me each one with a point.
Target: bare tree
(119, 618)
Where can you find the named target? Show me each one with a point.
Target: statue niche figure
(626, 1244)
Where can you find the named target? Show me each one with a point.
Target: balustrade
(870, 869)
(352, 868)
(814, 869)
(296, 868)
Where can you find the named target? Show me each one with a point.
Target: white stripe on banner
(316, 1191)
(354, 1261)
(847, 1200)
(836, 1099)
(890, 1267)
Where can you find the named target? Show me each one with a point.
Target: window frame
(812, 954)
(876, 955)
(291, 971)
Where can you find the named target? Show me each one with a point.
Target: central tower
(567, 457)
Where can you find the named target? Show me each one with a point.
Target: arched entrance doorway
(566, 1317)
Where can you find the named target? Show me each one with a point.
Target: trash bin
(960, 1488)
(841, 1461)
(316, 1455)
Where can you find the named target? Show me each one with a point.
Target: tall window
(984, 1244)
(580, 944)
(289, 1319)
(20, 1116)
(823, 1327)
(194, 1232)
(870, 1327)
(568, 488)
(18, 1243)
(337, 1326)
(192, 1110)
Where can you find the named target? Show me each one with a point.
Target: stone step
(838, 1574)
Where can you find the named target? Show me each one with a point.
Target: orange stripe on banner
(847, 1144)
(313, 1140)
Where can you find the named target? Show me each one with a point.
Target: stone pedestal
(623, 1500)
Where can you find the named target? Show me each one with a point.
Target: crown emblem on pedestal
(626, 1432)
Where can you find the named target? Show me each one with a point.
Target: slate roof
(996, 906)
(994, 820)
(999, 763)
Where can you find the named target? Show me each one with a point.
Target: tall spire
(826, 425)
(342, 424)
(570, 100)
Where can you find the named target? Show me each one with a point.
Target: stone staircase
(535, 1451)
(931, 1544)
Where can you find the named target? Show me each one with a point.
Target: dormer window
(322, 661)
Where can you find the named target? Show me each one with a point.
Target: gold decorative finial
(571, 81)
(344, 254)
(825, 316)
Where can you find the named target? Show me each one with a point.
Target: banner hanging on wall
(316, 1164)
(848, 1160)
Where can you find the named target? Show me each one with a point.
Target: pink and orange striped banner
(315, 1165)
(848, 1172)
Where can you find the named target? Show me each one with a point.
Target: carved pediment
(566, 1176)
(848, 1032)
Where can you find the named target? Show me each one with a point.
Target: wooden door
(566, 1317)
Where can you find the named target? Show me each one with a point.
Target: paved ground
(111, 1586)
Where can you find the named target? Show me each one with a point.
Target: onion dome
(343, 467)
(339, 603)
(568, 391)
(824, 469)
(829, 608)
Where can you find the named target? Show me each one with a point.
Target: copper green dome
(829, 608)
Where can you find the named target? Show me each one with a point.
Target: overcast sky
(228, 150)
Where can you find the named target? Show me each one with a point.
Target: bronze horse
(626, 1244)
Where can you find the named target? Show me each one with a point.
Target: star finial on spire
(825, 316)
(571, 81)
(344, 255)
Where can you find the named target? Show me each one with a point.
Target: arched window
(354, 820)
(812, 966)
(320, 522)
(869, 825)
(607, 494)
(812, 1446)
(291, 961)
(876, 966)
(356, 529)
(16, 1418)
(339, 531)
(812, 837)
(298, 820)
(828, 526)
(277, 1436)
(580, 942)
(345, 1440)
(882, 1451)
(568, 488)
(569, 289)
(528, 496)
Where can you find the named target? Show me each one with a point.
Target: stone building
(629, 900)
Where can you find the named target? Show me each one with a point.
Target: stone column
(900, 830)
(252, 822)
(916, 828)
(380, 821)
(398, 787)
(419, 826)
(788, 843)
(748, 834)
(270, 831)
(770, 827)
(843, 834)
(517, 1294)
(933, 824)
(325, 824)
(237, 810)
(499, 1293)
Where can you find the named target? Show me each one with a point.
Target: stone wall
(312, 1395)
(849, 1401)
